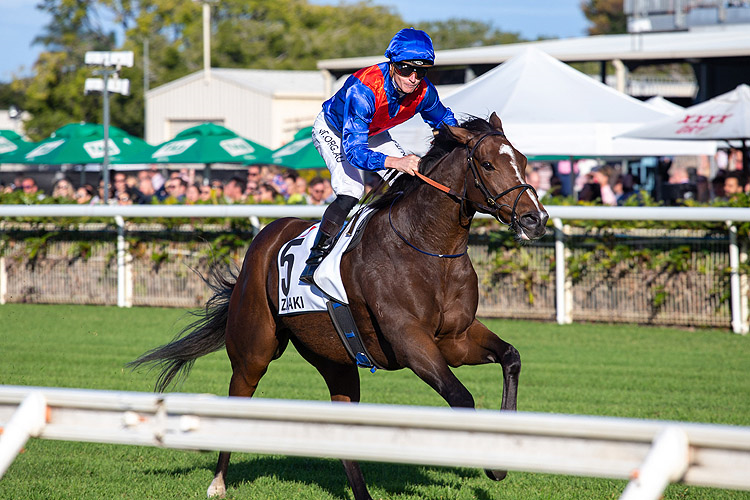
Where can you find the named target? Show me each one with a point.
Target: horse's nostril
(530, 220)
(534, 219)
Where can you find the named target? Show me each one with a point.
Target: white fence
(651, 454)
(738, 287)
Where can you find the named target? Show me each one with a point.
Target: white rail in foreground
(651, 454)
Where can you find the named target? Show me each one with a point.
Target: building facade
(265, 106)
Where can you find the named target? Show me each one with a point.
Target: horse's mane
(442, 145)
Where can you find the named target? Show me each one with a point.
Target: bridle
(490, 200)
(492, 204)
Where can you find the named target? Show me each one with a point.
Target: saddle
(356, 228)
(328, 293)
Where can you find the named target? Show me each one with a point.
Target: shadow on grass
(328, 475)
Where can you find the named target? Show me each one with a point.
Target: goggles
(406, 70)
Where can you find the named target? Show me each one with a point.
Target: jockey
(351, 132)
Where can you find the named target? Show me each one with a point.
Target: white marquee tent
(663, 105)
(725, 118)
(549, 108)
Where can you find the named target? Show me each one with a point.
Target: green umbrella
(77, 143)
(205, 143)
(299, 153)
(11, 142)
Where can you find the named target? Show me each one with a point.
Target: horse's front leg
(419, 352)
(477, 346)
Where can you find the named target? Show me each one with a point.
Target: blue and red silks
(369, 103)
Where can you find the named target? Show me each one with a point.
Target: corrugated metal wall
(270, 121)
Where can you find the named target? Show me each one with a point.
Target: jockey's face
(406, 84)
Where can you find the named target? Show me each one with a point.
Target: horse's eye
(487, 165)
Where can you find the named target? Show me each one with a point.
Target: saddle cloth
(297, 297)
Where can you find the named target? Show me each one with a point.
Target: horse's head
(496, 179)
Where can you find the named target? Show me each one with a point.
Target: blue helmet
(411, 44)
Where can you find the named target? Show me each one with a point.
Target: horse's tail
(204, 335)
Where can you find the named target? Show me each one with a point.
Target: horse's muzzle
(533, 224)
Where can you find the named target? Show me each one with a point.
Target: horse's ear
(460, 134)
(495, 122)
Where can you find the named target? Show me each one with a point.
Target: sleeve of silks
(359, 109)
(433, 112)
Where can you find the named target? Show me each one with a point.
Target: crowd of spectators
(599, 183)
(698, 179)
(258, 184)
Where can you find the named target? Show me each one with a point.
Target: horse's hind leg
(343, 385)
(240, 387)
(479, 345)
(250, 351)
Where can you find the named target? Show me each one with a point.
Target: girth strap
(343, 322)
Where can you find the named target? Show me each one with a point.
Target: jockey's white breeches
(346, 178)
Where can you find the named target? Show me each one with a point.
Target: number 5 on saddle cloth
(328, 294)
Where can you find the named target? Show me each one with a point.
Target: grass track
(628, 371)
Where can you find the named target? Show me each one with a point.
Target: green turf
(627, 371)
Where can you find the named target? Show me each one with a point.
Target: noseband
(491, 201)
(492, 204)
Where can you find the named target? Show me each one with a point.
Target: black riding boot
(333, 219)
(322, 247)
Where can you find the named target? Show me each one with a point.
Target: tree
(75, 25)
(293, 34)
(261, 34)
(54, 95)
(268, 34)
(607, 16)
(9, 97)
(461, 33)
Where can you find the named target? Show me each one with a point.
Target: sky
(21, 22)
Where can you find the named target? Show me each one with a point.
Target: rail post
(124, 269)
(739, 313)
(562, 284)
(28, 420)
(666, 463)
(3, 281)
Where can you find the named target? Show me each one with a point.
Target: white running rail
(651, 454)
(716, 214)
(730, 216)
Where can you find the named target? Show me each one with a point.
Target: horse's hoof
(217, 489)
(496, 475)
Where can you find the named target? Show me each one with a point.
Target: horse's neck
(435, 217)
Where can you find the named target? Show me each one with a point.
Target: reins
(403, 238)
(367, 197)
(479, 184)
(438, 186)
(492, 204)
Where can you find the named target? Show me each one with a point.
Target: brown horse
(411, 286)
